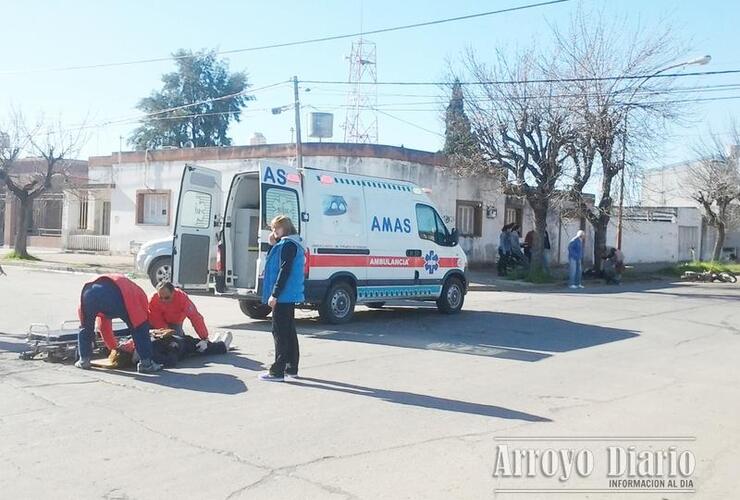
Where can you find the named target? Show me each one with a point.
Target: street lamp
(699, 61)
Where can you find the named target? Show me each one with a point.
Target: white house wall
(446, 189)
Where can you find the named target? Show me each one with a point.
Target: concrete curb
(69, 268)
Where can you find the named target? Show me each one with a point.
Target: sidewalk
(481, 280)
(56, 260)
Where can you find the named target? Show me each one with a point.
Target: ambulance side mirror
(454, 237)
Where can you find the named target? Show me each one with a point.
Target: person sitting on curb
(613, 266)
(169, 307)
(114, 296)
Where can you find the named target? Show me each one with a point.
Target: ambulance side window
(431, 226)
(280, 201)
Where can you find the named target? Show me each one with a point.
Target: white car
(155, 260)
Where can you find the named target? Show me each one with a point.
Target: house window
(153, 208)
(513, 215)
(82, 220)
(469, 218)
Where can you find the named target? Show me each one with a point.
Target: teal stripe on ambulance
(398, 292)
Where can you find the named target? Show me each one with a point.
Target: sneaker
(269, 377)
(148, 366)
(217, 338)
(572, 286)
(581, 286)
(291, 376)
(226, 339)
(83, 364)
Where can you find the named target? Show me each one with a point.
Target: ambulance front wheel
(453, 295)
(339, 304)
(254, 309)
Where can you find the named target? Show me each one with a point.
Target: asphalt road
(400, 403)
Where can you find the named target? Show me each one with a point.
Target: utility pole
(699, 61)
(298, 144)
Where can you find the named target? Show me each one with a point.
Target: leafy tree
(196, 104)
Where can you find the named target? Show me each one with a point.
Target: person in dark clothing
(169, 347)
(114, 296)
(528, 244)
(282, 288)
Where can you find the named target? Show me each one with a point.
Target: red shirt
(162, 314)
(134, 299)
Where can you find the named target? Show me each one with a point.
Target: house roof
(273, 151)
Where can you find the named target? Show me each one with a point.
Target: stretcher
(60, 345)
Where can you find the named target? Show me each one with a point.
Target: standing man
(516, 246)
(282, 288)
(169, 307)
(575, 256)
(114, 296)
(504, 250)
(528, 244)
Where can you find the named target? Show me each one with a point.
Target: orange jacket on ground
(134, 299)
(162, 314)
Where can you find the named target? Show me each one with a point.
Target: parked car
(155, 260)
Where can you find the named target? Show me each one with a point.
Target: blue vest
(292, 292)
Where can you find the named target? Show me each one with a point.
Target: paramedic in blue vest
(282, 288)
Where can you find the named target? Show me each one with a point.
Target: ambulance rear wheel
(339, 304)
(452, 298)
(254, 309)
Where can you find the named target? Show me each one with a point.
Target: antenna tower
(361, 123)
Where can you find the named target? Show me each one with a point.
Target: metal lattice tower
(361, 123)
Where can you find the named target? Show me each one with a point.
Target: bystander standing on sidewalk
(575, 256)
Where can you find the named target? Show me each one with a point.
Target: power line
(297, 42)
(541, 80)
(409, 123)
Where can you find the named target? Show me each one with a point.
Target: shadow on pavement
(502, 335)
(231, 358)
(420, 400)
(216, 383)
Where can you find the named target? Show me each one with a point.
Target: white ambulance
(368, 240)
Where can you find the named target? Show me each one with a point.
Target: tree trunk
(719, 242)
(600, 225)
(600, 220)
(21, 236)
(540, 208)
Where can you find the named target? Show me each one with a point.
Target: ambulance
(367, 240)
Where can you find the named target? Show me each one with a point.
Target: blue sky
(49, 34)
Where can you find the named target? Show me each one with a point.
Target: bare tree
(522, 132)
(714, 181)
(54, 145)
(597, 61)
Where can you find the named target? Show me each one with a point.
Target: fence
(89, 242)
